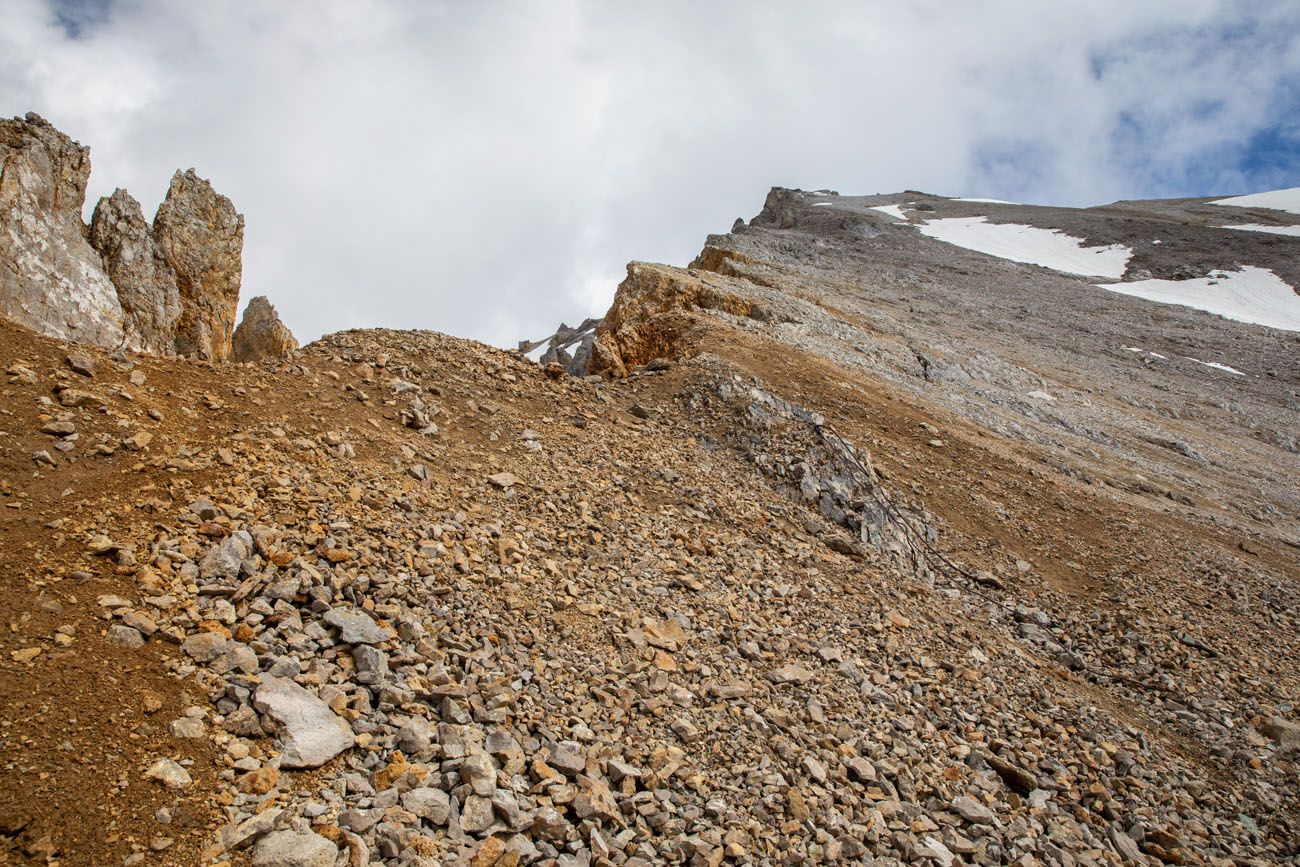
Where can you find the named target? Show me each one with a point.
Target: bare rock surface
(146, 283)
(261, 334)
(202, 236)
(51, 279)
(163, 288)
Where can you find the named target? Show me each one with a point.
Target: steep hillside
(862, 547)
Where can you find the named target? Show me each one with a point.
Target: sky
(486, 169)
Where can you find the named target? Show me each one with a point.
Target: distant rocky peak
(568, 347)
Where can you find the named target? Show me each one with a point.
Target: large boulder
(261, 334)
(51, 279)
(202, 236)
(146, 283)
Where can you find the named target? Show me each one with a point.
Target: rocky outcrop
(202, 236)
(51, 279)
(779, 209)
(146, 283)
(166, 288)
(261, 334)
(569, 347)
(654, 308)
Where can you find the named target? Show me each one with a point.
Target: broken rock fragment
(356, 627)
(294, 849)
(311, 734)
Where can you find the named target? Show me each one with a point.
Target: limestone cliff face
(51, 279)
(202, 236)
(146, 283)
(261, 334)
(166, 288)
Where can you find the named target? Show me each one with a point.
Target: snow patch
(1277, 200)
(1031, 245)
(1272, 230)
(987, 201)
(1217, 366)
(822, 204)
(895, 211)
(1148, 352)
(1253, 294)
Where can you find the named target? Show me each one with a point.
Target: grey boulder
(356, 627)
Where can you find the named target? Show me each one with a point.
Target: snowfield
(987, 201)
(1031, 245)
(1272, 230)
(1277, 200)
(1254, 295)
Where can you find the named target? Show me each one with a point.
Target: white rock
(241, 835)
(932, 848)
(291, 849)
(224, 558)
(791, 674)
(428, 803)
(972, 810)
(311, 733)
(169, 774)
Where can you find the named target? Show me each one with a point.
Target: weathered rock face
(146, 283)
(261, 334)
(172, 287)
(51, 279)
(653, 311)
(778, 209)
(202, 236)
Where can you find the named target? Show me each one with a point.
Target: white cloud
(486, 169)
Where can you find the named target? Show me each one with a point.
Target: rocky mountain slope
(857, 546)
